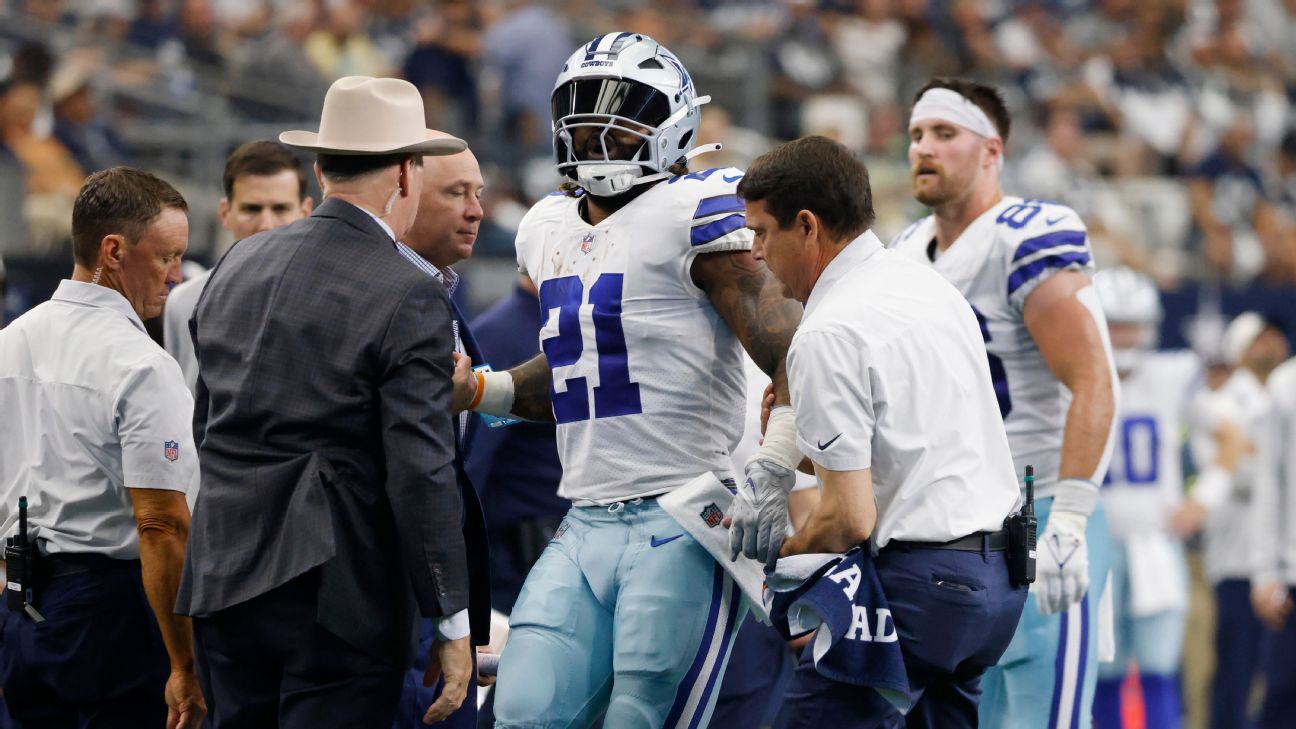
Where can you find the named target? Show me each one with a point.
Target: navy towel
(857, 641)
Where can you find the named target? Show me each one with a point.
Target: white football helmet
(630, 83)
(1129, 297)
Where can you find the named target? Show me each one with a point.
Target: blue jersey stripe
(1049, 240)
(1031, 270)
(682, 693)
(718, 204)
(702, 234)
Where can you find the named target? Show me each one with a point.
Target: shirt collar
(88, 294)
(856, 252)
(448, 277)
(378, 220)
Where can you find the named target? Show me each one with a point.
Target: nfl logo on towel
(712, 515)
(171, 450)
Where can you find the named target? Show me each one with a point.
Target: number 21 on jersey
(615, 394)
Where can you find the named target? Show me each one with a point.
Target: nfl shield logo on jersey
(587, 243)
(171, 450)
(712, 515)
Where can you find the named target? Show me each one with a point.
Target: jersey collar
(856, 252)
(88, 294)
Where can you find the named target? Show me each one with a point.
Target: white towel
(699, 506)
(1157, 581)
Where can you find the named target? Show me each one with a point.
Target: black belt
(974, 542)
(63, 564)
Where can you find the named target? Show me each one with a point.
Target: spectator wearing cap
(77, 124)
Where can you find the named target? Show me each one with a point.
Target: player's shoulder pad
(548, 208)
(1039, 234)
(709, 199)
(919, 230)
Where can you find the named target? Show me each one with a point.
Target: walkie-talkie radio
(20, 560)
(1021, 537)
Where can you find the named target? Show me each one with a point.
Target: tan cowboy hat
(365, 115)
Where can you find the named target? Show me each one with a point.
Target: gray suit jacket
(325, 440)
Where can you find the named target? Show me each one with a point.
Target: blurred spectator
(868, 42)
(525, 49)
(1059, 169)
(738, 146)
(1228, 206)
(204, 41)
(1234, 79)
(274, 79)
(52, 175)
(1280, 243)
(1148, 99)
(342, 48)
(804, 65)
(77, 125)
(153, 24)
(441, 66)
(13, 191)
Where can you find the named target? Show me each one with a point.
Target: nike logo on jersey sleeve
(823, 446)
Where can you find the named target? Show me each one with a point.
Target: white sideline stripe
(1070, 666)
(695, 703)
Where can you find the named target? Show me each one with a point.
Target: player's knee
(525, 701)
(633, 712)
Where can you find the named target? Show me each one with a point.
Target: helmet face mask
(624, 112)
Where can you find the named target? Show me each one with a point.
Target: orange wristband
(481, 390)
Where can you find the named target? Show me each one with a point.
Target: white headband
(950, 106)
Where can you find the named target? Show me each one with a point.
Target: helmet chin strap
(696, 151)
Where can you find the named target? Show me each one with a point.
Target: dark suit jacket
(325, 437)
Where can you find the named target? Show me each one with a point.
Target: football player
(649, 295)
(1252, 348)
(1143, 496)
(1024, 266)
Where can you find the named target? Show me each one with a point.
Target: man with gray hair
(330, 517)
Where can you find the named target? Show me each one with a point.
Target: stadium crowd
(1168, 126)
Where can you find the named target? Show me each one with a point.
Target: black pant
(97, 662)
(267, 663)
(955, 612)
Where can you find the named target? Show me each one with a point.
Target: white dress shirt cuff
(454, 627)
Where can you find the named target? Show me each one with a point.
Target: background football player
(649, 293)
(1143, 496)
(1024, 266)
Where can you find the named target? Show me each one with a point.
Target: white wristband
(780, 445)
(1075, 495)
(494, 393)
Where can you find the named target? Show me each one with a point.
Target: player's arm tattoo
(531, 390)
(751, 302)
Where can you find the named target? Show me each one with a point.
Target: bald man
(443, 234)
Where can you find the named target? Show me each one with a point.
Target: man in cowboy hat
(329, 518)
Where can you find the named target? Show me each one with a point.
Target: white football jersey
(996, 263)
(648, 379)
(1144, 482)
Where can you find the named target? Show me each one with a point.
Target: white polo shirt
(888, 372)
(92, 407)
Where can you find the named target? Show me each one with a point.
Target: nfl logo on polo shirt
(171, 450)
